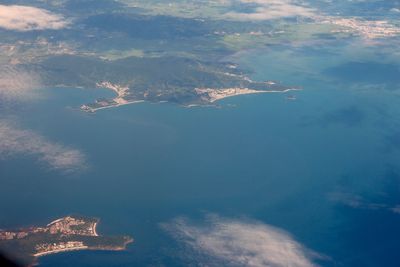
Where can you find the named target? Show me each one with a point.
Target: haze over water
(322, 167)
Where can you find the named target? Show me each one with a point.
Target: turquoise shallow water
(296, 165)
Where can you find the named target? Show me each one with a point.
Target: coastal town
(121, 91)
(69, 233)
(204, 95)
(65, 226)
(369, 29)
(47, 249)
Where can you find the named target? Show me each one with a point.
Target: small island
(65, 234)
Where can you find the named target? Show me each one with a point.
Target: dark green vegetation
(172, 79)
(158, 57)
(148, 27)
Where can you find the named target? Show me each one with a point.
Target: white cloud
(272, 9)
(240, 243)
(18, 83)
(357, 202)
(26, 18)
(15, 141)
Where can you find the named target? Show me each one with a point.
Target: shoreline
(105, 248)
(89, 109)
(238, 91)
(41, 254)
(210, 101)
(94, 229)
(121, 91)
(66, 234)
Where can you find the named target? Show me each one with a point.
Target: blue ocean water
(323, 167)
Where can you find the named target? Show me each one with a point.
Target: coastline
(40, 254)
(215, 95)
(120, 248)
(89, 109)
(94, 229)
(212, 95)
(121, 91)
(81, 246)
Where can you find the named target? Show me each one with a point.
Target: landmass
(69, 233)
(181, 52)
(202, 96)
(369, 29)
(174, 79)
(211, 95)
(121, 98)
(139, 56)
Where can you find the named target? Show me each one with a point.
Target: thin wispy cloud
(27, 18)
(272, 9)
(239, 243)
(17, 83)
(16, 142)
(358, 202)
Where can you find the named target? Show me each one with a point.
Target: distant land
(69, 233)
(173, 79)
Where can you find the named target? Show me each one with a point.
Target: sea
(321, 164)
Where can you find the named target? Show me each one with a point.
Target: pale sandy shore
(213, 95)
(94, 229)
(116, 105)
(41, 254)
(209, 95)
(121, 91)
(60, 250)
(82, 247)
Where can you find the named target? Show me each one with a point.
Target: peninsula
(69, 233)
(173, 79)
